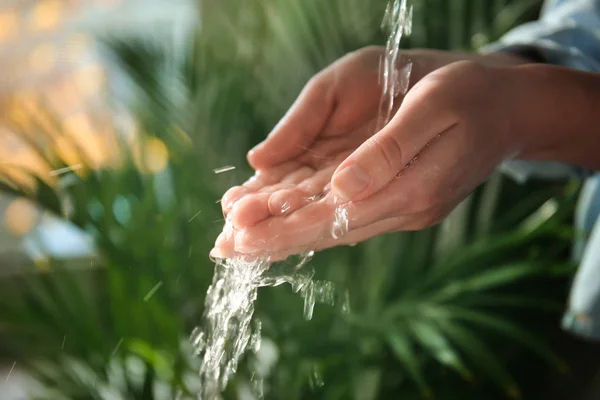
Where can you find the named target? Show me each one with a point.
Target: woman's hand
(451, 131)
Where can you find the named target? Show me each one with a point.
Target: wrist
(554, 114)
(426, 61)
(504, 59)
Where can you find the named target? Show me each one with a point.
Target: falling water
(395, 75)
(228, 330)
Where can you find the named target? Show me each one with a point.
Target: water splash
(340, 224)
(228, 331)
(305, 258)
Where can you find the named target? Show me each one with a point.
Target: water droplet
(404, 78)
(309, 300)
(255, 340)
(305, 258)
(345, 304)
(315, 197)
(324, 292)
(316, 377)
(285, 208)
(258, 387)
(223, 169)
(339, 227)
(198, 339)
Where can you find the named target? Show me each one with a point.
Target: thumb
(298, 128)
(382, 157)
(375, 163)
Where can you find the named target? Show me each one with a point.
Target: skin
(462, 116)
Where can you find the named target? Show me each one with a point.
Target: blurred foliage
(444, 311)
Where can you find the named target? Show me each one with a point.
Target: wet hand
(450, 133)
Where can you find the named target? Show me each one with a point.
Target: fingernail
(350, 181)
(255, 149)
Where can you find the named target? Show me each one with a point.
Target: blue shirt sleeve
(568, 34)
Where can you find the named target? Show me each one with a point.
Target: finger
(223, 247)
(299, 127)
(317, 183)
(247, 208)
(231, 196)
(257, 182)
(276, 174)
(287, 201)
(279, 234)
(312, 189)
(333, 102)
(299, 175)
(255, 207)
(250, 210)
(335, 149)
(442, 176)
(422, 116)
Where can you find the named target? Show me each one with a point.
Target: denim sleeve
(583, 314)
(567, 34)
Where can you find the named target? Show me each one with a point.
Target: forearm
(425, 61)
(556, 114)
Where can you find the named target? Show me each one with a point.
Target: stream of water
(228, 330)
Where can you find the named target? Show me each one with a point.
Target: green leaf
(507, 300)
(481, 355)
(506, 328)
(489, 279)
(48, 197)
(404, 351)
(428, 334)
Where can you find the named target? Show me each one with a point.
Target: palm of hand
(287, 207)
(291, 194)
(291, 197)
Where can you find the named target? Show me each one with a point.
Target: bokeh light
(47, 14)
(9, 22)
(153, 157)
(20, 217)
(42, 58)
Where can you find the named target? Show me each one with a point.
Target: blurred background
(114, 115)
